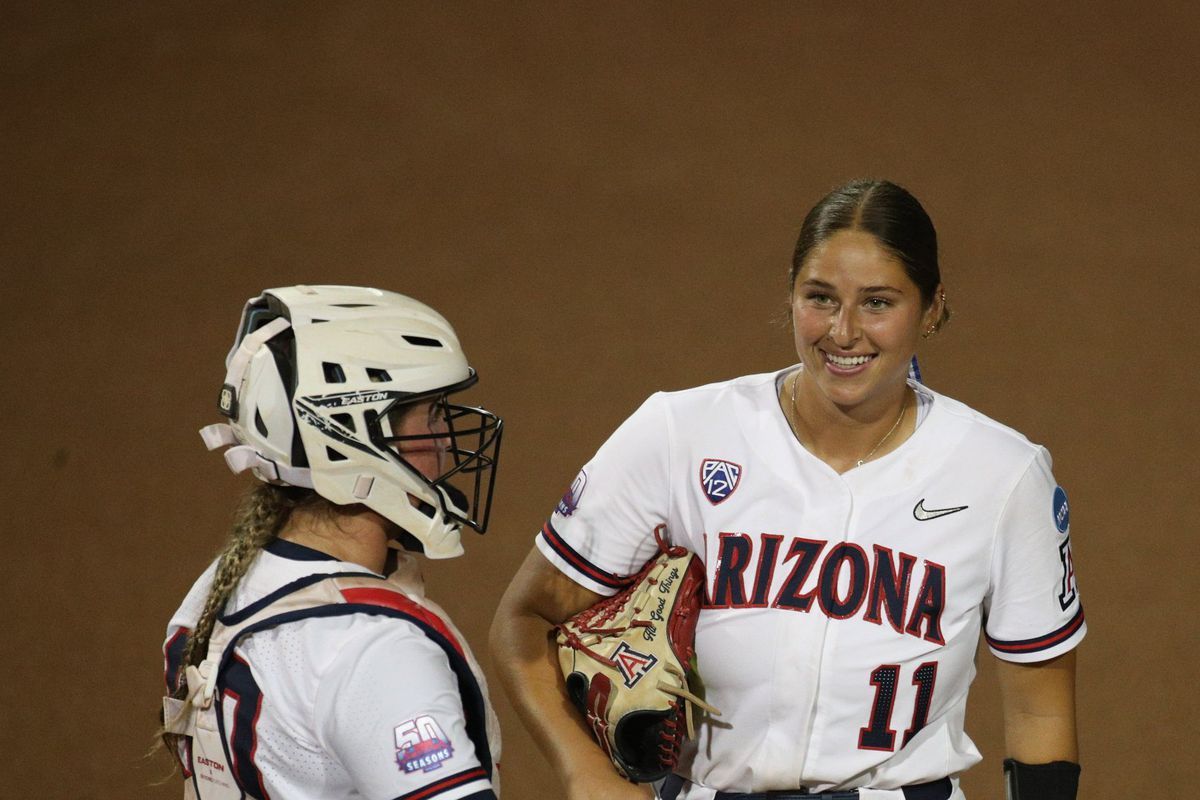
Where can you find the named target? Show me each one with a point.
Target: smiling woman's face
(858, 318)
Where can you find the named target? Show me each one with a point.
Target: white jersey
(843, 611)
(345, 705)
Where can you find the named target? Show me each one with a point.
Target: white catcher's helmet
(315, 372)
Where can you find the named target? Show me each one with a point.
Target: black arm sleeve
(1058, 780)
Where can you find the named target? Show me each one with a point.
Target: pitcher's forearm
(527, 662)
(1039, 710)
(525, 655)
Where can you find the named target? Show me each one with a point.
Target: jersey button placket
(840, 498)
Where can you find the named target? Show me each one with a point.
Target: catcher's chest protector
(213, 771)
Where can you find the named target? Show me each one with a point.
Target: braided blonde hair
(262, 514)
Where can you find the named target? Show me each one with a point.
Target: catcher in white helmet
(306, 661)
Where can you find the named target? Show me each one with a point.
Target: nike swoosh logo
(922, 513)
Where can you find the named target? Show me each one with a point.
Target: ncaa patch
(570, 500)
(421, 745)
(1061, 511)
(719, 478)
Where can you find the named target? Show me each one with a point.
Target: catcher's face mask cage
(311, 384)
(468, 437)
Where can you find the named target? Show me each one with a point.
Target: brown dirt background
(603, 197)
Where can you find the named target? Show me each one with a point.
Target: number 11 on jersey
(879, 734)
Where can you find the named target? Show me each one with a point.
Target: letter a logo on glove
(633, 665)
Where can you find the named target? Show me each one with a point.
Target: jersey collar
(295, 552)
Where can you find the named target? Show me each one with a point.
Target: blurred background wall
(603, 197)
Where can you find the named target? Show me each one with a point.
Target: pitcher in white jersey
(860, 531)
(306, 662)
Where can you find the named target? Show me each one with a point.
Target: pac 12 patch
(1062, 512)
(719, 479)
(421, 745)
(570, 500)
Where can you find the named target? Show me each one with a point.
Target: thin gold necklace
(879, 444)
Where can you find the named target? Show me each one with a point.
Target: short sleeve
(602, 531)
(388, 708)
(183, 621)
(1033, 607)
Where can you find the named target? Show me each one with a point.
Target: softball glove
(627, 662)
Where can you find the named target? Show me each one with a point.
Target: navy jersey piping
(448, 783)
(295, 552)
(300, 583)
(1037, 643)
(581, 564)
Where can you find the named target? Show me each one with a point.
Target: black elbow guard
(1058, 780)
